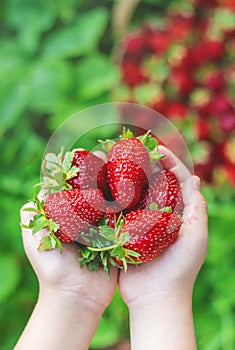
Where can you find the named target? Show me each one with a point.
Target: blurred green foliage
(55, 59)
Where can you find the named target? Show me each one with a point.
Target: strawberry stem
(102, 249)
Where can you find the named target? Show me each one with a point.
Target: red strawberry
(126, 180)
(132, 149)
(79, 169)
(74, 211)
(92, 171)
(66, 215)
(166, 192)
(182, 80)
(143, 202)
(133, 73)
(150, 232)
(137, 238)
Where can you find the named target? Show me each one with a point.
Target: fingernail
(196, 183)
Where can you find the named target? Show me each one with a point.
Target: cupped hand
(175, 270)
(62, 274)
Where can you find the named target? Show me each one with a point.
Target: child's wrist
(161, 299)
(164, 323)
(72, 301)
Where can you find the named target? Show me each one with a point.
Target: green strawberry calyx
(39, 222)
(57, 169)
(150, 143)
(106, 247)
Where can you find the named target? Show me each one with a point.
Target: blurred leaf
(67, 8)
(13, 100)
(9, 275)
(50, 80)
(23, 14)
(146, 93)
(79, 38)
(95, 75)
(12, 62)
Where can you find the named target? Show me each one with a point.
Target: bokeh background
(175, 56)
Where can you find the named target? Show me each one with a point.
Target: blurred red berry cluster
(185, 69)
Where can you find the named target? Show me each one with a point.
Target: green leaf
(118, 252)
(52, 226)
(94, 265)
(153, 206)
(58, 242)
(124, 238)
(126, 134)
(72, 172)
(13, 100)
(108, 233)
(146, 93)
(85, 252)
(50, 82)
(105, 73)
(59, 177)
(132, 253)
(67, 162)
(79, 38)
(39, 224)
(166, 209)
(47, 243)
(148, 141)
(9, 275)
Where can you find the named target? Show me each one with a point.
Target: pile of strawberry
(184, 68)
(120, 211)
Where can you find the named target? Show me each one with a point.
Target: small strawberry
(66, 215)
(92, 171)
(165, 191)
(79, 169)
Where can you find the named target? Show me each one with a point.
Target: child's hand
(61, 273)
(158, 293)
(71, 299)
(175, 270)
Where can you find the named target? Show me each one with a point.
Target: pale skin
(158, 293)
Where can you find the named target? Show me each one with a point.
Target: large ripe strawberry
(132, 149)
(66, 215)
(166, 191)
(79, 169)
(150, 232)
(138, 237)
(126, 180)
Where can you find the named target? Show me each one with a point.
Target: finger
(172, 163)
(194, 230)
(196, 220)
(187, 189)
